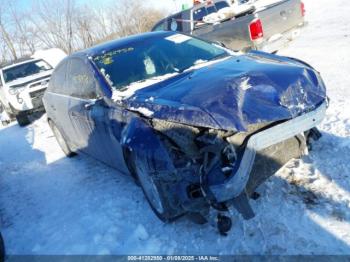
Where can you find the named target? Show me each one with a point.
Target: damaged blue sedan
(198, 126)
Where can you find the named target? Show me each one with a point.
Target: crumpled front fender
(146, 147)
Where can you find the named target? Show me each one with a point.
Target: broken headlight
(217, 151)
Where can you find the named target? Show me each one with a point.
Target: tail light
(302, 7)
(256, 29)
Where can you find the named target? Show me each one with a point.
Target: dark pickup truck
(257, 26)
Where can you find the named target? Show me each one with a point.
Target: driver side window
(81, 81)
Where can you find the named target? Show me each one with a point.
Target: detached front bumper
(236, 184)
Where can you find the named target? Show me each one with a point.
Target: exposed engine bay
(200, 159)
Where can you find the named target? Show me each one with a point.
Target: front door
(81, 105)
(90, 114)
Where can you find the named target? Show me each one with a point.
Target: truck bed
(278, 19)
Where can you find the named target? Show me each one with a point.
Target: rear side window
(58, 79)
(80, 81)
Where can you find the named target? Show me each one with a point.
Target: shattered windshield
(25, 70)
(158, 58)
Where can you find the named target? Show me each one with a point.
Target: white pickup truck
(23, 83)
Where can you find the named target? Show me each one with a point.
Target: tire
(61, 140)
(2, 249)
(22, 119)
(155, 193)
(130, 165)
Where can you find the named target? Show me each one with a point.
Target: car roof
(122, 42)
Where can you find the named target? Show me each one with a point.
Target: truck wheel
(61, 140)
(155, 193)
(22, 119)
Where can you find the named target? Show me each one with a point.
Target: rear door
(56, 101)
(82, 93)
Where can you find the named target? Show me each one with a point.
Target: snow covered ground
(53, 205)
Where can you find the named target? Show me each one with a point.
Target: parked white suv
(23, 83)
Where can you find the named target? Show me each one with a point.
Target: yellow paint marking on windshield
(107, 58)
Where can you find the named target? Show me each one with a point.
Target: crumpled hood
(234, 93)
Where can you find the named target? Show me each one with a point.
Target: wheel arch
(141, 140)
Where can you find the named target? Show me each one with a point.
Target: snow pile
(53, 205)
(4, 119)
(53, 56)
(226, 13)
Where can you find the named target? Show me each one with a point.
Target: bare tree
(102, 23)
(84, 27)
(68, 25)
(132, 17)
(24, 34)
(54, 20)
(5, 33)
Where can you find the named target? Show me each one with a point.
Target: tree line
(69, 24)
